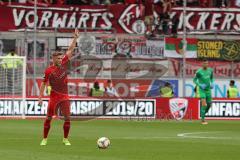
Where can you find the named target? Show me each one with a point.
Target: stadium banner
(219, 89)
(123, 18)
(119, 68)
(177, 108)
(96, 108)
(125, 88)
(174, 48)
(224, 109)
(207, 20)
(221, 69)
(119, 46)
(218, 50)
(158, 108)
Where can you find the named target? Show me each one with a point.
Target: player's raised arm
(69, 52)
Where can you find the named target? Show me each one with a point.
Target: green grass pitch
(130, 140)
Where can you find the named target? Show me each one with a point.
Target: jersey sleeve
(46, 76)
(65, 60)
(195, 79)
(211, 76)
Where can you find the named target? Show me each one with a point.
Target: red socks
(46, 128)
(66, 128)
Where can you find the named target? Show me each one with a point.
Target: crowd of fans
(202, 3)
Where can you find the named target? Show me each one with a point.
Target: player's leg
(47, 122)
(65, 109)
(203, 109)
(203, 105)
(46, 128)
(209, 101)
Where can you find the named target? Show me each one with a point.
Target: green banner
(219, 50)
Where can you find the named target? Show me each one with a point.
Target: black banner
(83, 107)
(219, 50)
(224, 109)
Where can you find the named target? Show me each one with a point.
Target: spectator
(77, 2)
(96, 91)
(204, 3)
(179, 2)
(117, 1)
(221, 3)
(193, 2)
(165, 23)
(175, 22)
(96, 2)
(167, 6)
(149, 9)
(166, 90)
(232, 91)
(11, 63)
(106, 2)
(109, 89)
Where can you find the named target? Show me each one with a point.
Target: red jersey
(57, 77)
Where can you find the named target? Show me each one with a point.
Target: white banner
(219, 90)
(224, 109)
(111, 108)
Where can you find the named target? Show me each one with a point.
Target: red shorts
(58, 105)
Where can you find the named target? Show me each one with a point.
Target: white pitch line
(134, 138)
(194, 135)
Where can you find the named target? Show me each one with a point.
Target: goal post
(13, 85)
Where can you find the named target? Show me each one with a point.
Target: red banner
(81, 87)
(125, 88)
(177, 108)
(207, 20)
(123, 18)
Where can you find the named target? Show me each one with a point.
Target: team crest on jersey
(178, 107)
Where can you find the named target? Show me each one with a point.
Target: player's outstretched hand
(40, 101)
(203, 86)
(211, 86)
(76, 33)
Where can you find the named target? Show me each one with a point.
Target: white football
(103, 142)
